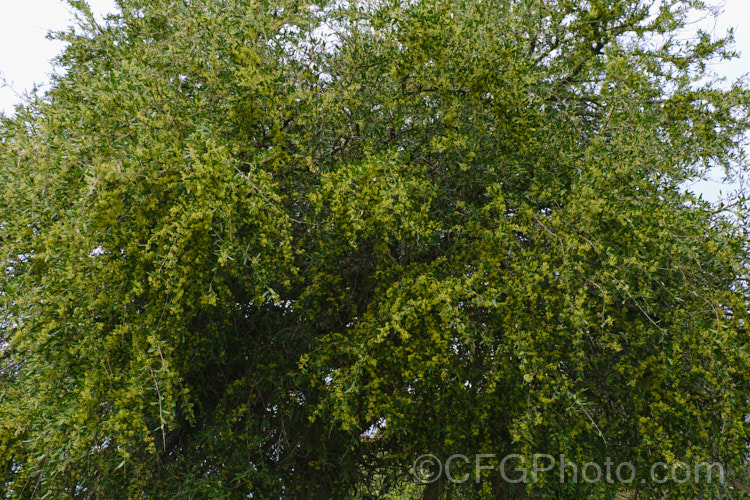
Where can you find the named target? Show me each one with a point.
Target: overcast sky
(25, 52)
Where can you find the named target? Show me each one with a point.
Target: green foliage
(237, 236)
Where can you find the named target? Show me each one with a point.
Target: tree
(284, 249)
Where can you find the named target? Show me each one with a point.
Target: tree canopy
(278, 249)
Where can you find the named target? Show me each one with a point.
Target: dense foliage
(283, 249)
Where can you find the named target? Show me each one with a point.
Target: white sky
(25, 52)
